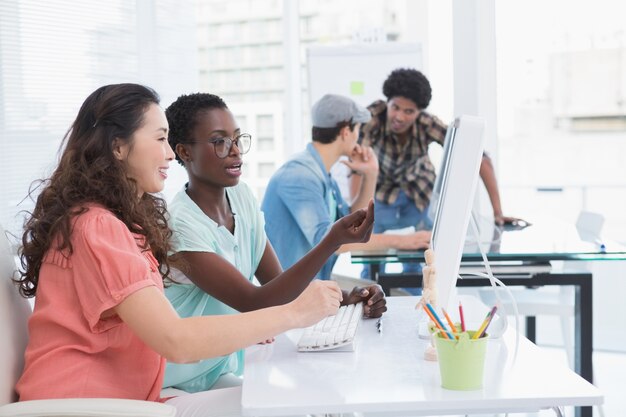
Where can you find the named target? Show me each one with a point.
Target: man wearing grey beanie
(302, 200)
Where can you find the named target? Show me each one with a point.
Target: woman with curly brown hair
(94, 253)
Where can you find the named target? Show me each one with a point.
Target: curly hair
(88, 172)
(408, 83)
(182, 116)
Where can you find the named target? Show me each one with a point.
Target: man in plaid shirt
(303, 200)
(399, 133)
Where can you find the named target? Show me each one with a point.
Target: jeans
(401, 214)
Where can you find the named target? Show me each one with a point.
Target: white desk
(387, 374)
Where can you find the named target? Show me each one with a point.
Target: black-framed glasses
(222, 146)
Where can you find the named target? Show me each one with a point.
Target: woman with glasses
(220, 241)
(95, 256)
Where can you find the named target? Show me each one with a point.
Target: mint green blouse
(193, 231)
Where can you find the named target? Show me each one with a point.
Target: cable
(494, 284)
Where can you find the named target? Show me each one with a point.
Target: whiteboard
(357, 71)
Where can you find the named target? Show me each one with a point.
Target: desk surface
(545, 240)
(387, 374)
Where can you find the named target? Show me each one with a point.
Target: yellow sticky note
(357, 88)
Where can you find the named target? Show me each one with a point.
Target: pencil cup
(461, 362)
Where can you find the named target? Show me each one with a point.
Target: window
(265, 124)
(266, 169)
(54, 53)
(561, 109)
(265, 132)
(242, 122)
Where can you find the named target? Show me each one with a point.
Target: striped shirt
(403, 166)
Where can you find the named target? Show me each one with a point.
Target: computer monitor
(434, 198)
(455, 187)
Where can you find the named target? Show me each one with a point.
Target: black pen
(379, 325)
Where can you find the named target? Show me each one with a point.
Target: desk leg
(374, 271)
(389, 281)
(583, 335)
(531, 328)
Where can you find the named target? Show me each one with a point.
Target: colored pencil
(443, 326)
(461, 316)
(493, 314)
(449, 320)
(443, 332)
(481, 330)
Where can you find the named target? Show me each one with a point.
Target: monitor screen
(434, 198)
(455, 187)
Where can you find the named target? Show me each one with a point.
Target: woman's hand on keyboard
(355, 227)
(373, 297)
(320, 299)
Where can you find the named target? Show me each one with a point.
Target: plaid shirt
(407, 166)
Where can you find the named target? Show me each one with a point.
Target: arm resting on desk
(380, 241)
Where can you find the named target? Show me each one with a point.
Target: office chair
(14, 313)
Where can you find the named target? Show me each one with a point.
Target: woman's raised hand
(355, 227)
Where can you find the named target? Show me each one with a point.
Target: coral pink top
(72, 351)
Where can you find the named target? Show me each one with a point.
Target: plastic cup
(462, 361)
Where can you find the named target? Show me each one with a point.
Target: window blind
(54, 53)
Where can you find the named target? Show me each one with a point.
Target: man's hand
(415, 240)
(502, 220)
(372, 295)
(363, 161)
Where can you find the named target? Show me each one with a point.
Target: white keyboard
(335, 333)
